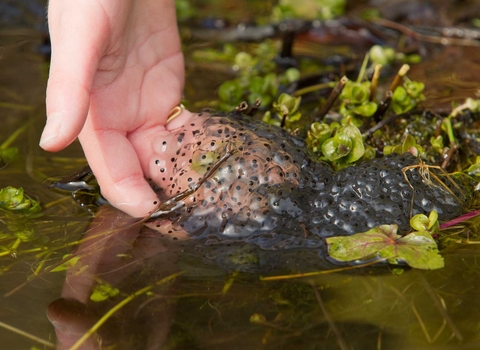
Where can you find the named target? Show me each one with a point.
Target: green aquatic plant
(418, 248)
(8, 152)
(407, 97)
(345, 147)
(16, 201)
(256, 75)
(308, 9)
(386, 55)
(103, 291)
(339, 145)
(409, 145)
(284, 111)
(317, 135)
(356, 103)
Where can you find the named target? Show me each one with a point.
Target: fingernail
(51, 130)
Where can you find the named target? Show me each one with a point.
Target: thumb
(78, 34)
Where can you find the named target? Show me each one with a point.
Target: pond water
(186, 295)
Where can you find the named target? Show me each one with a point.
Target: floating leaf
(103, 291)
(13, 199)
(418, 249)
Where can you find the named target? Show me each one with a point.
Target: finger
(117, 168)
(78, 32)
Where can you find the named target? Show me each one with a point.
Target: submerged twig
(340, 340)
(27, 335)
(441, 308)
(322, 272)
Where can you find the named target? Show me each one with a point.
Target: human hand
(116, 72)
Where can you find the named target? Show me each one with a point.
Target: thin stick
(399, 77)
(426, 38)
(361, 74)
(383, 106)
(333, 96)
(375, 77)
(313, 88)
(451, 152)
(27, 335)
(331, 323)
(441, 309)
(316, 273)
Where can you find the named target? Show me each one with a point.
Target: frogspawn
(237, 179)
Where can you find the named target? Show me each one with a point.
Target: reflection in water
(115, 253)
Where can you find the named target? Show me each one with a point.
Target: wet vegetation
(357, 82)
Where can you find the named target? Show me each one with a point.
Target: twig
(340, 340)
(254, 108)
(383, 106)
(422, 37)
(27, 335)
(451, 152)
(375, 77)
(441, 309)
(399, 77)
(316, 273)
(333, 96)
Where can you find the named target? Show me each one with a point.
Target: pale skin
(116, 72)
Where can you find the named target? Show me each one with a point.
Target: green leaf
(287, 104)
(382, 55)
(337, 147)
(7, 155)
(244, 60)
(414, 88)
(418, 249)
(103, 291)
(13, 199)
(366, 109)
(419, 222)
(437, 143)
(230, 91)
(358, 148)
(26, 235)
(317, 135)
(67, 264)
(356, 93)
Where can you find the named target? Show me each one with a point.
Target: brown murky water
(207, 306)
